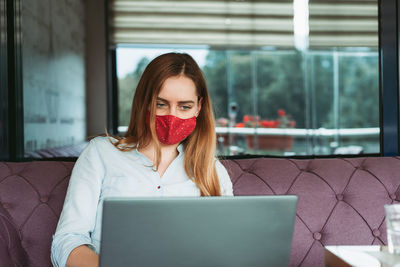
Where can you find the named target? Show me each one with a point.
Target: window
(53, 76)
(277, 88)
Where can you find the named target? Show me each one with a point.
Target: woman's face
(178, 97)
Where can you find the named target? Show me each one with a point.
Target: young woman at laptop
(168, 150)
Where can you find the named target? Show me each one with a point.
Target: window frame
(388, 14)
(11, 88)
(389, 77)
(11, 91)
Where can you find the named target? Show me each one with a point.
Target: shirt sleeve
(224, 179)
(78, 216)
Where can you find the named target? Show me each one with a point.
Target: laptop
(245, 231)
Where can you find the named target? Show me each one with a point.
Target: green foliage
(321, 80)
(215, 75)
(126, 89)
(279, 83)
(281, 77)
(359, 94)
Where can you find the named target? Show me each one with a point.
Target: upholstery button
(44, 199)
(6, 205)
(393, 196)
(339, 197)
(317, 236)
(376, 232)
(249, 170)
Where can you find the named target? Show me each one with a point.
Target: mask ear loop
(199, 98)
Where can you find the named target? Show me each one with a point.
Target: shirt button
(158, 187)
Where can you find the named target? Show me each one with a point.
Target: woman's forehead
(180, 88)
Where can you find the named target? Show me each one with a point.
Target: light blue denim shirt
(103, 171)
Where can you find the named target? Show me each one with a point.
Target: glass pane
(359, 100)
(53, 76)
(344, 100)
(315, 92)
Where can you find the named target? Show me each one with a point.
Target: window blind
(343, 23)
(215, 23)
(242, 23)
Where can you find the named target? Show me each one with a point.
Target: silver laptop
(242, 231)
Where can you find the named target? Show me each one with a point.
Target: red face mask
(172, 130)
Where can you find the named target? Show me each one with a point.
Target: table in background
(360, 256)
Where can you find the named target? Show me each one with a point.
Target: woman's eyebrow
(186, 102)
(179, 102)
(162, 99)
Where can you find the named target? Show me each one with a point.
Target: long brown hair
(199, 146)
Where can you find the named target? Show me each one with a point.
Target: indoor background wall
(53, 58)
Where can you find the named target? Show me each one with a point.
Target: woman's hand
(83, 256)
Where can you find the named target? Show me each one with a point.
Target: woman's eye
(160, 105)
(186, 107)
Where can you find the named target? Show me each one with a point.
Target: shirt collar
(180, 149)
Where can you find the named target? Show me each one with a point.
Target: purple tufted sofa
(340, 202)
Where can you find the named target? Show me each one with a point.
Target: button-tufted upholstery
(32, 194)
(340, 202)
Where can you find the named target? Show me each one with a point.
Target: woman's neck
(168, 152)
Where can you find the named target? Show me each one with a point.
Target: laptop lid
(203, 231)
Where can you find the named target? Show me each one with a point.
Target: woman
(168, 150)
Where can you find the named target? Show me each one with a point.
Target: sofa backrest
(11, 251)
(33, 193)
(340, 200)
